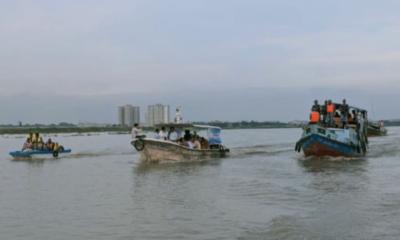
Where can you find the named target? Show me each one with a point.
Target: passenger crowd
(35, 142)
(190, 140)
(334, 115)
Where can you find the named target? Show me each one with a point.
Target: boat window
(214, 136)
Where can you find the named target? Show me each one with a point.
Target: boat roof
(352, 107)
(185, 125)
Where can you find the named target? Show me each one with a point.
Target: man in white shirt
(163, 134)
(136, 131)
(157, 134)
(172, 134)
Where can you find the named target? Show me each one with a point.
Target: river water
(264, 190)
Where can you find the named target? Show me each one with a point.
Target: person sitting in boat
(49, 144)
(40, 143)
(353, 117)
(196, 143)
(187, 135)
(187, 139)
(27, 145)
(157, 133)
(204, 143)
(180, 141)
(33, 138)
(30, 136)
(173, 134)
(190, 144)
(336, 120)
(56, 146)
(163, 134)
(36, 139)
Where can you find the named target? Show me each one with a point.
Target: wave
(269, 149)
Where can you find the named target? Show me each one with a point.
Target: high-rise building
(157, 114)
(128, 115)
(121, 116)
(166, 117)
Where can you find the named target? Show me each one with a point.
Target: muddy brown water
(264, 190)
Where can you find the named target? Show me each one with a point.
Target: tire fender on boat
(55, 154)
(139, 145)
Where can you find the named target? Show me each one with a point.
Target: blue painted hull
(36, 153)
(316, 145)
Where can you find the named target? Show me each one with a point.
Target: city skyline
(128, 115)
(197, 108)
(156, 114)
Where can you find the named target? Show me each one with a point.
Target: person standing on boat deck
(316, 107)
(315, 113)
(157, 133)
(136, 131)
(344, 111)
(163, 134)
(355, 117)
(172, 134)
(324, 113)
(330, 111)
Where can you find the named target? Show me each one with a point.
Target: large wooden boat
(322, 139)
(156, 150)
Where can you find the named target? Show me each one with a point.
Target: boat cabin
(342, 116)
(187, 133)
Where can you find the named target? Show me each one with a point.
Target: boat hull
(157, 151)
(316, 145)
(39, 154)
(320, 141)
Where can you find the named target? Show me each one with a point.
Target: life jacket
(330, 108)
(314, 117)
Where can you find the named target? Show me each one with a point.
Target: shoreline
(118, 130)
(127, 130)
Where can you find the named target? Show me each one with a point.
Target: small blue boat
(40, 153)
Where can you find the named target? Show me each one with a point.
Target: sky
(229, 60)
